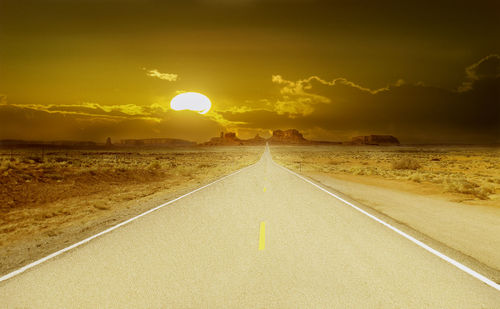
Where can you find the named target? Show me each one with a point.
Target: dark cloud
(87, 123)
(90, 110)
(484, 69)
(488, 67)
(413, 112)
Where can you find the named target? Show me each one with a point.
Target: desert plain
(448, 196)
(458, 173)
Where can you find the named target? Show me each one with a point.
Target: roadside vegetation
(468, 172)
(28, 178)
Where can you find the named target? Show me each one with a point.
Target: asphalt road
(262, 238)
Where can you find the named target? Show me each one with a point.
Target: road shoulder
(463, 232)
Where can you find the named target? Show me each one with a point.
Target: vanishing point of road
(261, 238)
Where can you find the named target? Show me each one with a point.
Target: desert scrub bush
(415, 177)
(155, 165)
(33, 159)
(48, 166)
(484, 191)
(494, 180)
(121, 169)
(357, 171)
(406, 164)
(59, 159)
(467, 187)
(6, 165)
(436, 180)
(205, 165)
(92, 170)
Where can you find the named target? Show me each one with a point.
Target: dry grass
(467, 172)
(406, 164)
(29, 179)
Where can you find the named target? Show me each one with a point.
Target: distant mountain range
(5, 143)
(174, 142)
(287, 137)
(294, 137)
(279, 137)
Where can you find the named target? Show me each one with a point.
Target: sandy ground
(48, 205)
(202, 251)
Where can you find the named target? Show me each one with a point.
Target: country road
(262, 238)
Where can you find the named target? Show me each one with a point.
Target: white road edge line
(52, 255)
(410, 238)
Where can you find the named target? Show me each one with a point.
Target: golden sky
(86, 69)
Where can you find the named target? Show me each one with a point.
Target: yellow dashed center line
(264, 189)
(262, 236)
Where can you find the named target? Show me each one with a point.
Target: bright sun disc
(191, 101)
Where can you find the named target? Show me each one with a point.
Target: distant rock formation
(225, 139)
(380, 140)
(108, 142)
(257, 140)
(294, 137)
(230, 139)
(291, 136)
(171, 142)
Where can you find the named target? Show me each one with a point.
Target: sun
(191, 101)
